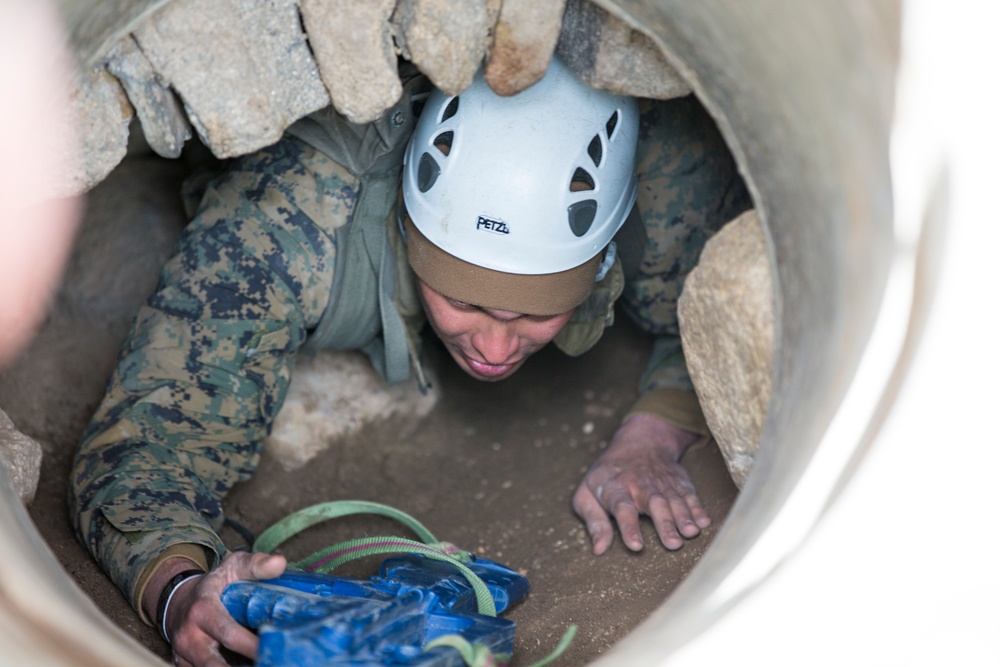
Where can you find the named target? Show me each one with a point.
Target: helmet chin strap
(607, 262)
(399, 221)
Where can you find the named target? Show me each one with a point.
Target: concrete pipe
(804, 94)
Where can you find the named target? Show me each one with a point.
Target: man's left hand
(639, 474)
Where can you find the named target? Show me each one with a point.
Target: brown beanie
(544, 294)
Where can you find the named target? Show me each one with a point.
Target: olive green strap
(331, 557)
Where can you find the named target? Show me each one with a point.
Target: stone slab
(101, 112)
(727, 318)
(164, 124)
(524, 39)
(606, 53)
(446, 40)
(241, 86)
(353, 47)
(333, 395)
(22, 457)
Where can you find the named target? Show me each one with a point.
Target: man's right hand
(197, 622)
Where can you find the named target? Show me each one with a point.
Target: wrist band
(167, 593)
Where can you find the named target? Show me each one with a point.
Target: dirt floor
(491, 468)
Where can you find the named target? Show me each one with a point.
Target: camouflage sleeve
(688, 188)
(206, 365)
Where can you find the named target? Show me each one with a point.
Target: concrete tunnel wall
(802, 93)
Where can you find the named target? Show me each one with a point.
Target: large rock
(332, 395)
(22, 458)
(446, 40)
(242, 69)
(607, 53)
(101, 112)
(164, 124)
(524, 38)
(352, 44)
(245, 71)
(727, 319)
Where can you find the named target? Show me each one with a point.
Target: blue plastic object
(507, 587)
(319, 620)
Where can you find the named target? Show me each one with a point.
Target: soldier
(516, 227)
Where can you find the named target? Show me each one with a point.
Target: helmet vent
(427, 172)
(612, 124)
(595, 150)
(581, 216)
(581, 181)
(443, 141)
(450, 110)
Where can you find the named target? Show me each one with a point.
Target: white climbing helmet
(533, 184)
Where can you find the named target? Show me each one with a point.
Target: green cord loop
(305, 518)
(327, 559)
(478, 655)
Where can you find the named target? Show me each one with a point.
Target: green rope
(331, 557)
(474, 655)
(325, 560)
(479, 655)
(306, 518)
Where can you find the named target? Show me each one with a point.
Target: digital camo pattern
(688, 189)
(207, 363)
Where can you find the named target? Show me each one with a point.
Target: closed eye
(500, 316)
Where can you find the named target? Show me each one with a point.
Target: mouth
(488, 370)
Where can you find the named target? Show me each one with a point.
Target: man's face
(488, 344)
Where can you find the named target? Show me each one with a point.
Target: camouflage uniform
(206, 365)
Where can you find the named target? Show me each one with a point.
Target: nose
(496, 341)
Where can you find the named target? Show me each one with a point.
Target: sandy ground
(491, 468)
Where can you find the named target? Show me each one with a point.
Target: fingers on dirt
(627, 517)
(683, 515)
(589, 508)
(697, 512)
(664, 519)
